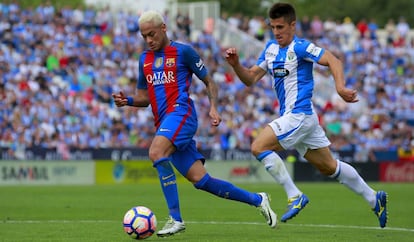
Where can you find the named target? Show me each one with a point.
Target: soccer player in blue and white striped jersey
(289, 60)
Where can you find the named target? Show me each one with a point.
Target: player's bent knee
(155, 155)
(256, 149)
(202, 182)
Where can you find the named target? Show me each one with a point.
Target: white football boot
(266, 210)
(171, 227)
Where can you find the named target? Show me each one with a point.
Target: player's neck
(166, 43)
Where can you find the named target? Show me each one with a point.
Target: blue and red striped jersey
(167, 75)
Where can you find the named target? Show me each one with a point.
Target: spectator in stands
(373, 29)
(362, 27)
(403, 28)
(348, 30)
(305, 26)
(183, 23)
(26, 45)
(329, 27)
(391, 30)
(316, 27)
(235, 21)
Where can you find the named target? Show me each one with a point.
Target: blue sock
(169, 187)
(227, 190)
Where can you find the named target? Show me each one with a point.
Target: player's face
(283, 31)
(154, 35)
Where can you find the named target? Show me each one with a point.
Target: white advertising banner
(47, 172)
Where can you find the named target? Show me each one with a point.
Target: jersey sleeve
(194, 62)
(141, 83)
(261, 61)
(309, 51)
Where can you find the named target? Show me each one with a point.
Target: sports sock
(276, 168)
(169, 186)
(227, 190)
(348, 176)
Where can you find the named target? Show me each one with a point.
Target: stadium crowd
(58, 69)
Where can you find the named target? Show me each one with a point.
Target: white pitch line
(215, 222)
(308, 225)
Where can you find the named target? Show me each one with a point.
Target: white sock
(348, 176)
(277, 169)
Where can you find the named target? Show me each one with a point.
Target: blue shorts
(180, 130)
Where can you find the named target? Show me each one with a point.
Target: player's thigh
(266, 140)
(288, 130)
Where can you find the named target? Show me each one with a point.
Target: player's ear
(164, 27)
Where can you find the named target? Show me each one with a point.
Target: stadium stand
(58, 69)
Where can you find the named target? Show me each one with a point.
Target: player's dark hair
(283, 10)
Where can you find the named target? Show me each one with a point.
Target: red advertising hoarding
(402, 171)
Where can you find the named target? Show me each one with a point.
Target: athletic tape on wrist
(130, 101)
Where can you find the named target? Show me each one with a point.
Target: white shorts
(299, 131)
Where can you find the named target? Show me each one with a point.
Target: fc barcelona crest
(170, 62)
(158, 62)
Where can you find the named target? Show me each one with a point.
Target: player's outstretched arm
(212, 92)
(120, 99)
(336, 67)
(248, 76)
(141, 99)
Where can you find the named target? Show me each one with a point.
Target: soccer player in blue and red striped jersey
(289, 61)
(165, 75)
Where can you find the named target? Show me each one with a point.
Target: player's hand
(232, 57)
(348, 95)
(215, 117)
(120, 99)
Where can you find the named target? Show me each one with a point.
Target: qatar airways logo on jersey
(160, 78)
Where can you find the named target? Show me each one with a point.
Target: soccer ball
(140, 222)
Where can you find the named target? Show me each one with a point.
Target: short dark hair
(283, 10)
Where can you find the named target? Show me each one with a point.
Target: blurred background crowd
(59, 67)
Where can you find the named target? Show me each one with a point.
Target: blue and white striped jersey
(292, 70)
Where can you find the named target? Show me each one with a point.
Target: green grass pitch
(94, 213)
